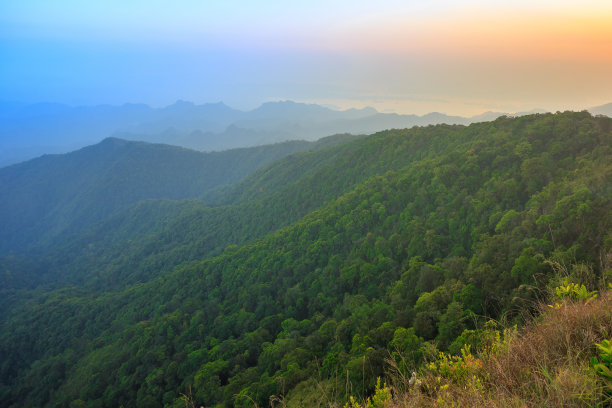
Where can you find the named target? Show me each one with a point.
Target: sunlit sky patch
(405, 56)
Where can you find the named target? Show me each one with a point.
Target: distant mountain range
(605, 110)
(28, 131)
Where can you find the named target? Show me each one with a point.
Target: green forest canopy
(313, 271)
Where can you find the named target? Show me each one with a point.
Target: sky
(456, 57)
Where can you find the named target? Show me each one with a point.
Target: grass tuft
(546, 364)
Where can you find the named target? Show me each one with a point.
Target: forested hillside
(308, 278)
(60, 194)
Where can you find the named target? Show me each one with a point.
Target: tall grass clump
(551, 362)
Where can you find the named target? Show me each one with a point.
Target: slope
(275, 196)
(547, 363)
(58, 194)
(458, 222)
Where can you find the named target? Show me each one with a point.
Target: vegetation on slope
(61, 194)
(412, 237)
(545, 364)
(134, 245)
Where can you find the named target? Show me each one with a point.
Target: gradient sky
(404, 56)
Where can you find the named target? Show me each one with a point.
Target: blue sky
(405, 56)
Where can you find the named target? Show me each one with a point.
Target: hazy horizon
(406, 57)
(254, 107)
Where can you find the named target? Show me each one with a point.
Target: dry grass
(546, 365)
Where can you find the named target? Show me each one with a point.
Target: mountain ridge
(57, 193)
(403, 243)
(32, 130)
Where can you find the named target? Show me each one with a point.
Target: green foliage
(507, 221)
(471, 297)
(57, 195)
(451, 324)
(573, 291)
(526, 266)
(381, 398)
(316, 269)
(464, 369)
(603, 364)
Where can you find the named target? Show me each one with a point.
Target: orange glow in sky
(406, 56)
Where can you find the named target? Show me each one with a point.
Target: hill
(545, 364)
(32, 130)
(602, 110)
(385, 248)
(62, 194)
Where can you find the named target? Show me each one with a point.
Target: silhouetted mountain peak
(602, 110)
(113, 141)
(368, 109)
(180, 103)
(290, 107)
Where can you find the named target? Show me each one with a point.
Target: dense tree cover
(386, 248)
(60, 194)
(156, 235)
